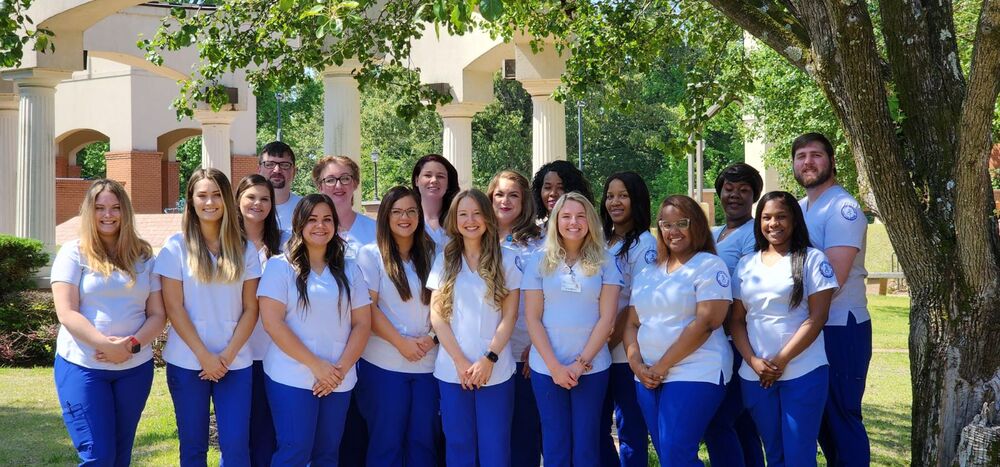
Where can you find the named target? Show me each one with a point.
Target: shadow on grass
(32, 436)
(889, 433)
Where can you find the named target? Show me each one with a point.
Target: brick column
(140, 173)
(241, 167)
(170, 185)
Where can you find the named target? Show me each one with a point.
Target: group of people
(467, 328)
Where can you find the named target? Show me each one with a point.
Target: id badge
(569, 284)
(351, 252)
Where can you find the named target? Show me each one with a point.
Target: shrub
(20, 259)
(28, 328)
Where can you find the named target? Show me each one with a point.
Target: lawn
(31, 429)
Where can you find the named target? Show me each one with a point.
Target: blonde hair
(228, 267)
(524, 229)
(128, 249)
(592, 253)
(490, 260)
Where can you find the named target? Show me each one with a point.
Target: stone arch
(166, 145)
(69, 144)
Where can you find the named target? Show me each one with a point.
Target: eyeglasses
(331, 181)
(681, 224)
(270, 165)
(399, 213)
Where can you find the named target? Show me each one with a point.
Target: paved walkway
(154, 228)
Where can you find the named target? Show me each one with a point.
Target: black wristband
(436, 341)
(491, 356)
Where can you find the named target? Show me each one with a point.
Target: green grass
(32, 432)
(878, 250)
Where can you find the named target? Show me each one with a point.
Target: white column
(753, 154)
(548, 123)
(341, 114)
(36, 152)
(215, 144)
(457, 138)
(8, 159)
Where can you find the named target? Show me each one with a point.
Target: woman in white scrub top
(782, 299)
(397, 393)
(315, 309)
(571, 289)
(474, 307)
(209, 275)
(674, 338)
(436, 180)
(515, 211)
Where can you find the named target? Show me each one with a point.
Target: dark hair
(638, 194)
(699, 232)
(572, 179)
(740, 173)
(421, 253)
(272, 235)
(449, 194)
(298, 255)
(799, 242)
(277, 149)
(815, 138)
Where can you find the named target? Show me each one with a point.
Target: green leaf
(314, 11)
(285, 5)
(491, 9)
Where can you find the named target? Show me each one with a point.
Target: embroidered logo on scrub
(650, 256)
(849, 212)
(722, 278)
(826, 269)
(519, 262)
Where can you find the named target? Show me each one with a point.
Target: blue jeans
(401, 410)
(633, 438)
(309, 428)
(842, 434)
(677, 414)
(101, 409)
(477, 424)
(571, 418)
(788, 414)
(231, 397)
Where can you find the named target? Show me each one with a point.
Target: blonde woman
(512, 203)
(571, 289)
(110, 310)
(209, 275)
(473, 309)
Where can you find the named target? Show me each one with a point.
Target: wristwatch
(491, 356)
(135, 345)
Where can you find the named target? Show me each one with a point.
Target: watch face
(136, 348)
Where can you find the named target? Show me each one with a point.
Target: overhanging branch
(756, 20)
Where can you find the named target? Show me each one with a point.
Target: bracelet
(587, 366)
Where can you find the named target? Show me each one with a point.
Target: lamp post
(579, 133)
(278, 97)
(374, 156)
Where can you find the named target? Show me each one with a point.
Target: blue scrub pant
(677, 414)
(842, 434)
(262, 440)
(101, 409)
(787, 415)
(571, 419)
(477, 424)
(526, 429)
(354, 443)
(231, 397)
(633, 438)
(401, 410)
(309, 428)
(731, 437)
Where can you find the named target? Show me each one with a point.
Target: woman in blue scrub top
(674, 338)
(782, 299)
(474, 307)
(571, 289)
(626, 218)
(515, 213)
(315, 308)
(110, 310)
(554, 180)
(436, 180)
(209, 274)
(259, 224)
(731, 437)
(397, 393)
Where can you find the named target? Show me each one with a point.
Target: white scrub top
(214, 308)
(666, 303)
(362, 233)
(520, 339)
(411, 318)
(836, 219)
(736, 245)
(570, 313)
(259, 339)
(285, 210)
(639, 255)
(110, 303)
(766, 293)
(474, 319)
(439, 236)
(323, 328)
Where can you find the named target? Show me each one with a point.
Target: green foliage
(91, 160)
(20, 259)
(28, 328)
(995, 178)
(189, 159)
(16, 32)
(501, 133)
(301, 126)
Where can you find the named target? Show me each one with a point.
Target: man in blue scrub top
(837, 226)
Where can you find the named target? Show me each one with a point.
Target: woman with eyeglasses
(316, 310)
(396, 391)
(436, 180)
(674, 338)
(515, 213)
(571, 288)
(110, 310)
(782, 300)
(626, 217)
(473, 309)
(209, 274)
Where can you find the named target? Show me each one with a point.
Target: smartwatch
(491, 356)
(135, 345)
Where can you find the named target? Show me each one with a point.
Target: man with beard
(277, 164)
(837, 226)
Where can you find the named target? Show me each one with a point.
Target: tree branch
(753, 19)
